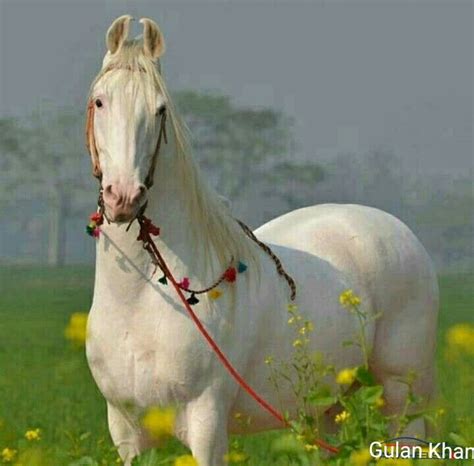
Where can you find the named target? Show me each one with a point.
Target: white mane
(214, 226)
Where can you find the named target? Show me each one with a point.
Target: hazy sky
(354, 74)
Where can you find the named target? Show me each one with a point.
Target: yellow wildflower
(292, 307)
(33, 434)
(297, 343)
(159, 422)
(346, 376)
(268, 360)
(185, 460)
(215, 294)
(291, 320)
(379, 402)
(76, 330)
(235, 457)
(342, 417)
(461, 337)
(308, 447)
(8, 455)
(360, 458)
(349, 299)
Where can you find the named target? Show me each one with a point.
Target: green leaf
(321, 396)
(370, 394)
(364, 376)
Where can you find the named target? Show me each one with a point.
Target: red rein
(147, 229)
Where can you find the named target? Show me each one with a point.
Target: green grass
(45, 383)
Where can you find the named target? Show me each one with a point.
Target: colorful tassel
(230, 275)
(215, 294)
(192, 300)
(184, 283)
(163, 280)
(93, 230)
(97, 218)
(241, 267)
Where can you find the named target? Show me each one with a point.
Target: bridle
(94, 153)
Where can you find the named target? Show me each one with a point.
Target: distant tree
(43, 159)
(241, 147)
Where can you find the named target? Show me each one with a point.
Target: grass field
(45, 383)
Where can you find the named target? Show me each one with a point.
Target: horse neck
(168, 208)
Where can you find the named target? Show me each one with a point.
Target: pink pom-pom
(96, 232)
(184, 283)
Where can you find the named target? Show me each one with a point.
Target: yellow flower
(308, 447)
(235, 457)
(8, 455)
(291, 320)
(292, 307)
(76, 330)
(268, 360)
(346, 376)
(379, 402)
(349, 299)
(159, 422)
(297, 343)
(185, 460)
(360, 458)
(461, 337)
(215, 294)
(342, 417)
(33, 434)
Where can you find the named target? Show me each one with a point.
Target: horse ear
(118, 33)
(153, 42)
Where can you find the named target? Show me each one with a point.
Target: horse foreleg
(206, 436)
(126, 434)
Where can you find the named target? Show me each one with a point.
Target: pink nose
(123, 202)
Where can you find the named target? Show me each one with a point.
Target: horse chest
(137, 358)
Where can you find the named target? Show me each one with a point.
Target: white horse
(142, 347)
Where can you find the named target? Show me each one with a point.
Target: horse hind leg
(405, 341)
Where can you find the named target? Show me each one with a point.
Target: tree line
(248, 154)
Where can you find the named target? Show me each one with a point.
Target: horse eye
(98, 103)
(162, 110)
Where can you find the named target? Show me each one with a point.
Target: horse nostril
(139, 193)
(111, 193)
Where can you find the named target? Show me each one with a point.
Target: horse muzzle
(122, 203)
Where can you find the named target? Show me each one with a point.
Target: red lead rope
(146, 228)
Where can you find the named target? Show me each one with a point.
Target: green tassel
(90, 229)
(163, 280)
(192, 299)
(241, 267)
